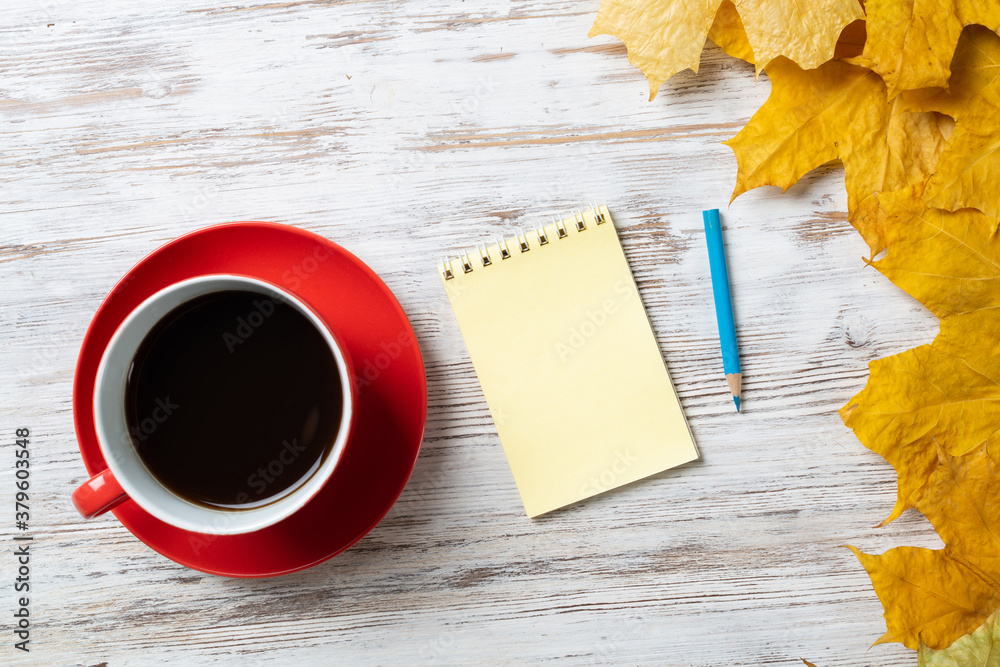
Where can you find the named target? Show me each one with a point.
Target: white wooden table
(405, 130)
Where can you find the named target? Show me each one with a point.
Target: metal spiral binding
(579, 224)
(504, 250)
(483, 254)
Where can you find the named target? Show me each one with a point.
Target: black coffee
(233, 400)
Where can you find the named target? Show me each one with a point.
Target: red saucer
(392, 392)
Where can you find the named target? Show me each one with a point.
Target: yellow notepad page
(567, 361)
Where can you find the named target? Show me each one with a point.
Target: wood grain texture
(405, 130)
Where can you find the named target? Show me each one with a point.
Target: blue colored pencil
(723, 304)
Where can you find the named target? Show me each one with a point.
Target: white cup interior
(120, 453)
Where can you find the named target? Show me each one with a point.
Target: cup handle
(97, 495)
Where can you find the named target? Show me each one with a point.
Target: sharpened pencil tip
(736, 400)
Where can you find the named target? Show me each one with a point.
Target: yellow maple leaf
(928, 596)
(667, 36)
(969, 167)
(912, 41)
(933, 597)
(962, 501)
(934, 413)
(728, 34)
(978, 649)
(838, 111)
(947, 391)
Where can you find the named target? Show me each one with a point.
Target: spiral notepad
(567, 360)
